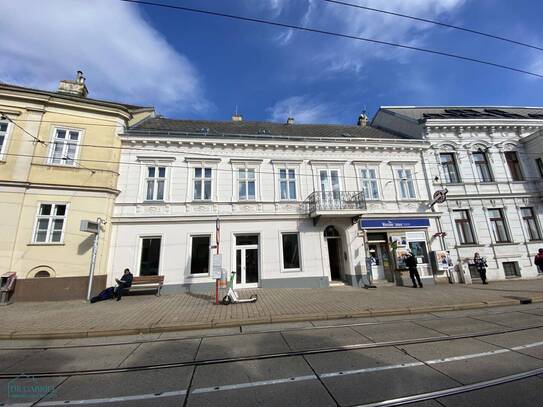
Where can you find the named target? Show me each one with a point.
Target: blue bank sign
(394, 223)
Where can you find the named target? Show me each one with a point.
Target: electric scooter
(231, 296)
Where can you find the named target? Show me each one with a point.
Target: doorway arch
(333, 243)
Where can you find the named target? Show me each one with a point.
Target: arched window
(42, 274)
(331, 231)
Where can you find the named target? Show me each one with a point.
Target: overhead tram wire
(186, 166)
(439, 23)
(334, 34)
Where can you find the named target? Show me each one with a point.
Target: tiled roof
(5, 86)
(467, 112)
(263, 129)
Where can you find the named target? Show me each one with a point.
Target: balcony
(335, 204)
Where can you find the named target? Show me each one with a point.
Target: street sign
(216, 271)
(89, 226)
(440, 196)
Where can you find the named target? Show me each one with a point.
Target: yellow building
(59, 159)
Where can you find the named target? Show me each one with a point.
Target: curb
(261, 320)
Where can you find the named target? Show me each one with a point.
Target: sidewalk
(147, 313)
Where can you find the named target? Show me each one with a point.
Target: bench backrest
(147, 279)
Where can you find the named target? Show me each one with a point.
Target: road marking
(238, 386)
(253, 384)
(369, 369)
(115, 399)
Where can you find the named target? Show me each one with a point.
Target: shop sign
(394, 223)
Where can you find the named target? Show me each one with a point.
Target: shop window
(150, 256)
(291, 251)
(199, 259)
(419, 251)
(511, 269)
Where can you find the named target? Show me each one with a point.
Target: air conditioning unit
(89, 226)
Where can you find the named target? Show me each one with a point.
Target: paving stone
(457, 326)
(520, 338)
(163, 352)
(323, 338)
(395, 332)
(512, 319)
(241, 345)
(21, 390)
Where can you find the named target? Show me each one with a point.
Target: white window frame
(288, 180)
(246, 169)
(63, 161)
(368, 181)
(202, 179)
(399, 180)
(281, 252)
(51, 218)
(6, 134)
(210, 259)
(155, 179)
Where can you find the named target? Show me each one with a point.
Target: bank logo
(28, 387)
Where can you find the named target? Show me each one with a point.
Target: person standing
(539, 261)
(480, 264)
(124, 282)
(411, 263)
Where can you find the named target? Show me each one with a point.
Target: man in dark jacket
(124, 282)
(411, 263)
(539, 261)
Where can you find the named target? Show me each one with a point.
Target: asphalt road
(346, 362)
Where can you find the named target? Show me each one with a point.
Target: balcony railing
(320, 201)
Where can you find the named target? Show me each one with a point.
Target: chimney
(362, 120)
(290, 120)
(75, 88)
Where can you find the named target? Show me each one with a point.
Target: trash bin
(7, 285)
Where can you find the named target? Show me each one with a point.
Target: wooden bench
(145, 283)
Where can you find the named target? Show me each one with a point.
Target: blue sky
(195, 66)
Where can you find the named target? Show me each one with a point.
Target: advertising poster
(401, 254)
(443, 260)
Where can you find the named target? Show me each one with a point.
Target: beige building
(59, 158)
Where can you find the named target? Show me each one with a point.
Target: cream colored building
(59, 158)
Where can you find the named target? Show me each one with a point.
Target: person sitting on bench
(124, 282)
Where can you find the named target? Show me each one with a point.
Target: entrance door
(335, 258)
(247, 260)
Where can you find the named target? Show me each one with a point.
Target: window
(510, 268)
(3, 136)
(246, 184)
(530, 223)
(202, 184)
(287, 184)
(291, 251)
(482, 167)
(150, 256)
(539, 164)
(450, 170)
(511, 158)
(419, 251)
(329, 181)
(499, 229)
(406, 185)
(199, 259)
(369, 183)
(64, 147)
(156, 177)
(50, 223)
(464, 227)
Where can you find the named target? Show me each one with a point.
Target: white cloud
(121, 55)
(303, 109)
(343, 54)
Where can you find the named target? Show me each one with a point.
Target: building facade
(59, 154)
(288, 205)
(490, 161)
